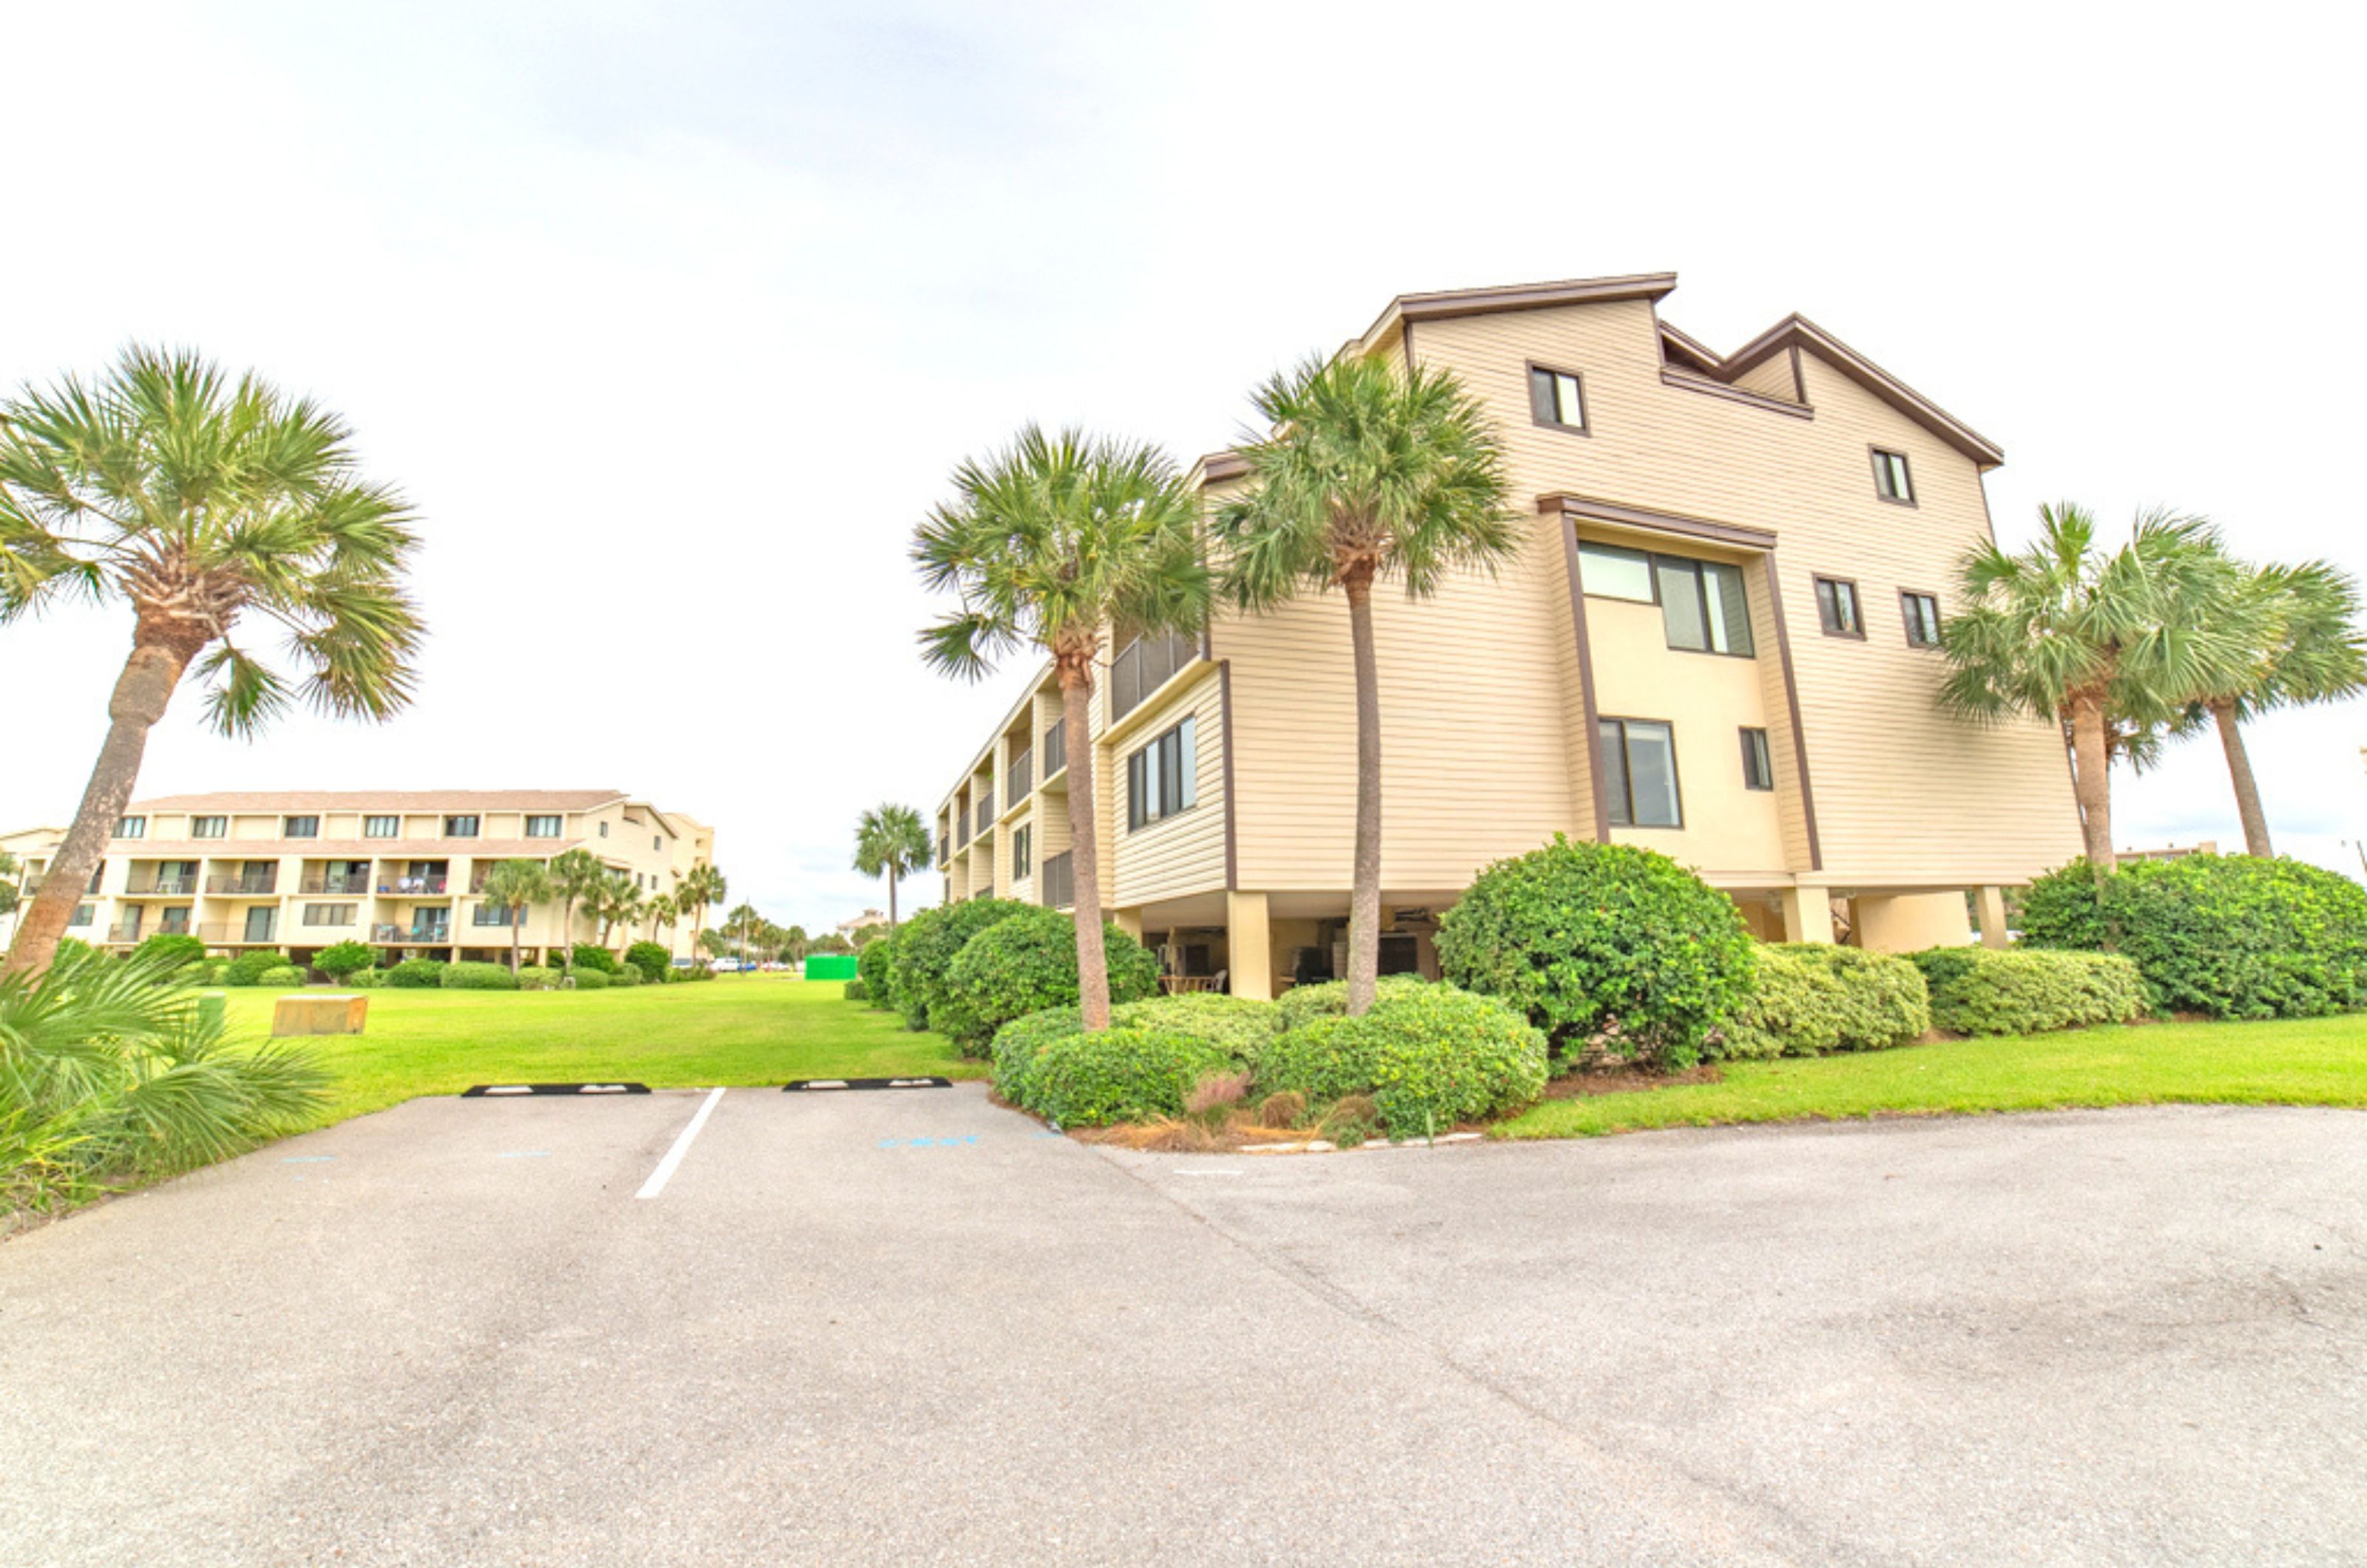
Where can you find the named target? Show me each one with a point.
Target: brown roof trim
(1447, 304)
(1576, 506)
(1673, 377)
(1792, 701)
(1798, 331)
(1592, 716)
(1218, 467)
(1689, 346)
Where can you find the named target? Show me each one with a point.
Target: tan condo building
(402, 871)
(1719, 643)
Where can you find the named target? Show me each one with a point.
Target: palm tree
(742, 922)
(575, 877)
(1055, 541)
(2300, 644)
(198, 501)
(890, 841)
(1368, 476)
(702, 885)
(2108, 645)
(659, 911)
(517, 885)
(617, 901)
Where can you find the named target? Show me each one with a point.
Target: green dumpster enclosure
(829, 966)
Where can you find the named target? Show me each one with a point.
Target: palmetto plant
(742, 922)
(2110, 645)
(218, 510)
(615, 903)
(108, 1072)
(890, 841)
(702, 888)
(2299, 643)
(517, 885)
(658, 909)
(1055, 542)
(1367, 476)
(575, 878)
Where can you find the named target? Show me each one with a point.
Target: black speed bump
(810, 1086)
(502, 1091)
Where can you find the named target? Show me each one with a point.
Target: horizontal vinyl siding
(1183, 854)
(1771, 378)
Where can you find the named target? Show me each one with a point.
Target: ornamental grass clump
(1613, 951)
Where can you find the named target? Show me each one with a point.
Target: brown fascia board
(1690, 347)
(1796, 329)
(1218, 468)
(1447, 304)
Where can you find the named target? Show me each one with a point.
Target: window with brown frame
(1557, 398)
(1891, 479)
(1758, 767)
(1922, 612)
(1837, 607)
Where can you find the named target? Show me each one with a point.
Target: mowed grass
(2305, 1062)
(734, 1030)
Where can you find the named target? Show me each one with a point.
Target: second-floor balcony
(1056, 748)
(427, 886)
(249, 883)
(986, 811)
(1143, 666)
(419, 933)
(1055, 881)
(1021, 777)
(944, 846)
(161, 881)
(352, 884)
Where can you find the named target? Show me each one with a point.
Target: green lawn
(733, 1029)
(2307, 1062)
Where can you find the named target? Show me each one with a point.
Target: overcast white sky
(670, 318)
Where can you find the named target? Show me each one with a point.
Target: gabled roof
(1447, 304)
(1798, 331)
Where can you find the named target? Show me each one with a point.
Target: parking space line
(658, 1178)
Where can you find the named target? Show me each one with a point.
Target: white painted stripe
(658, 1178)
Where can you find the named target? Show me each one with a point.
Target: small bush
(281, 975)
(536, 978)
(873, 963)
(1239, 1026)
(479, 977)
(1429, 1058)
(650, 959)
(1017, 1043)
(364, 979)
(1981, 990)
(1025, 963)
(591, 980)
(248, 969)
(1118, 1074)
(1810, 998)
(1329, 998)
(856, 991)
(417, 974)
(694, 972)
(1609, 949)
(2231, 936)
(344, 958)
(927, 945)
(171, 948)
(590, 956)
(204, 971)
(625, 975)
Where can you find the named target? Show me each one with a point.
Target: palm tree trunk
(1084, 856)
(891, 897)
(141, 694)
(515, 922)
(2092, 784)
(1365, 895)
(2248, 789)
(567, 935)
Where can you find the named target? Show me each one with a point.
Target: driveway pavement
(909, 1326)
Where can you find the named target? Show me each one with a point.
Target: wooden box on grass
(319, 1015)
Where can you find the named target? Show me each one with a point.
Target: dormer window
(1557, 398)
(1891, 479)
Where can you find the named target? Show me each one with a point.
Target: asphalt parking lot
(911, 1326)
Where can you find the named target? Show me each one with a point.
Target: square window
(1758, 767)
(1557, 398)
(131, 828)
(210, 826)
(1891, 479)
(1837, 607)
(1922, 612)
(1640, 763)
(299, 827)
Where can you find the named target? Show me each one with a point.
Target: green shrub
(591, 980)
(344, 958)
(927, 946)
(1017, 1043)
(1810, 998)
(625, 975)
(282, 974)
(856, 991)
(1329, 998)
(1981, 990)
(2230, 936)
(1429, 1058)
(873, 963)
(536, 978)
(590, 956)
(248, 969)
(417, 974)
(364, 979)
(1025, 963)
(1607, 948)
(1118, 1074)
(173, 949)
(695, 972)
(204, 971)
(1239, 1027)
(650, 959)
(471, 976)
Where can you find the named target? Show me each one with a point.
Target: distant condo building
(401, 870)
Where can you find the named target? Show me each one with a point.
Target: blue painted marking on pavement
(306, 1160)
(966, 1141)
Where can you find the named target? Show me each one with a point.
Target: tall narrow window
(1022, 842)
(1557, 398)
(1837, 607)
(1161, 779)
(1922, 612)
(1891, 480)
(1639, 767)
(1758, 767)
